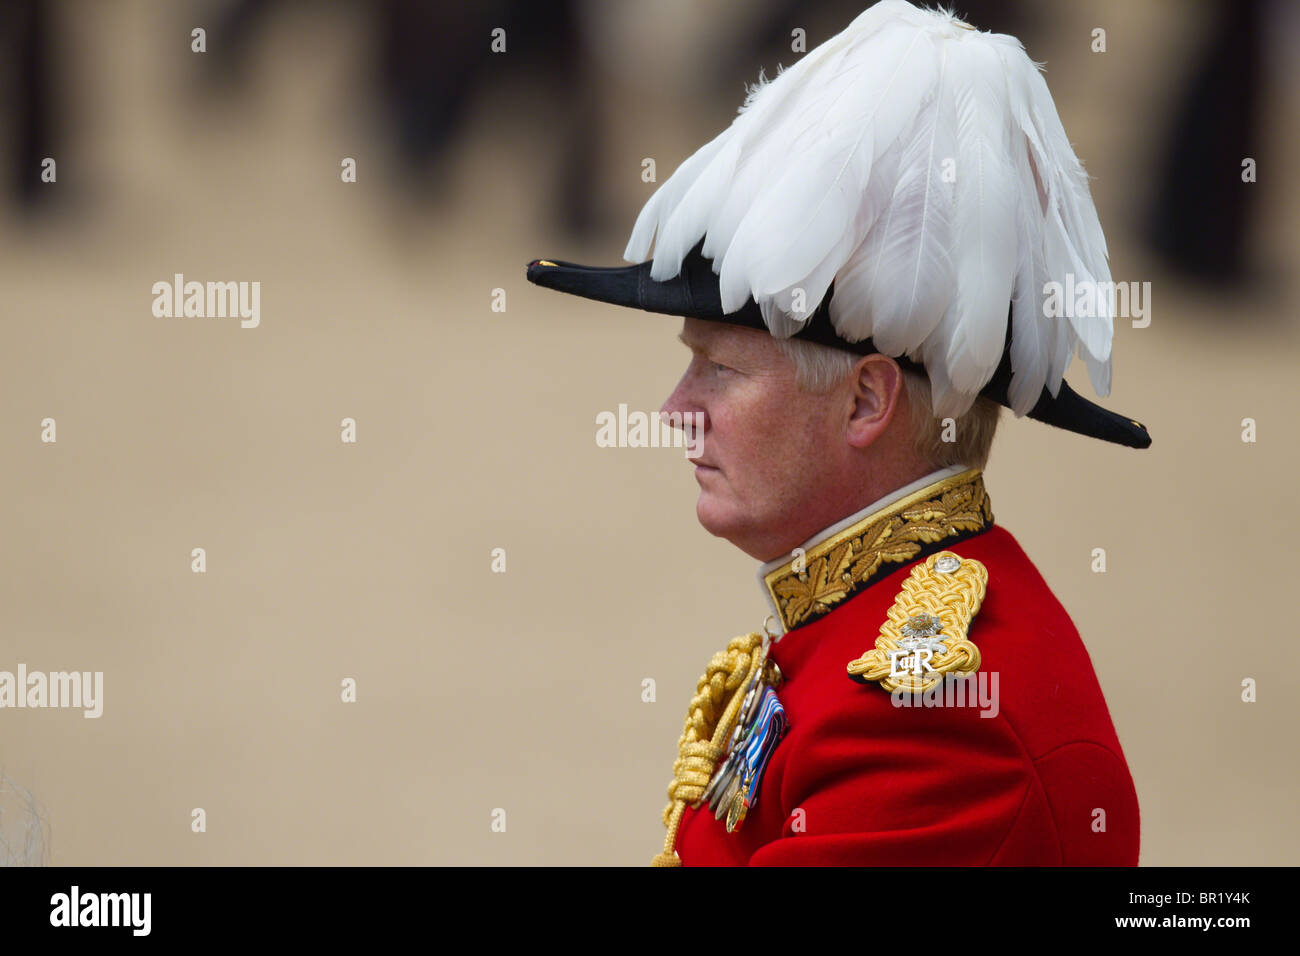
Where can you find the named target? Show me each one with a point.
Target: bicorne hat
(906, 188)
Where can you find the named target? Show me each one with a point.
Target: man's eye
(718, 367)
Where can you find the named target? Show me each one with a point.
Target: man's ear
(877, 383)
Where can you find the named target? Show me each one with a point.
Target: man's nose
(679, 409)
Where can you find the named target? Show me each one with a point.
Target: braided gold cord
(705, 735)
(954, 598)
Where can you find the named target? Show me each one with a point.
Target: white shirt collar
(898, 493)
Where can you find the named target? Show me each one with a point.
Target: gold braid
(952, 597)
(705, 736)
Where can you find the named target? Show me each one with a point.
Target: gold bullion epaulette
(924, 635)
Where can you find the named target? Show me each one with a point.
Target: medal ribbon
(769, 728)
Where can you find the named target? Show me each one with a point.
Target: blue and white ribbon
(769, 728)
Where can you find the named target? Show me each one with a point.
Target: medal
(760, 724)
(716, 790)
(769, 727)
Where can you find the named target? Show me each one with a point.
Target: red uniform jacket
(859, 781)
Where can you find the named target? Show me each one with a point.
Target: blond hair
(819, 368)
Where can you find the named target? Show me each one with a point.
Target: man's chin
(723, 519)
(717, 519)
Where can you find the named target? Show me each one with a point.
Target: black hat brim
(694, 293)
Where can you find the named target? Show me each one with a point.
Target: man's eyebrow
(693, 346)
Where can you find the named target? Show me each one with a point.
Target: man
(844, 256)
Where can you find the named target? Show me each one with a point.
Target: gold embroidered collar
(927, 520)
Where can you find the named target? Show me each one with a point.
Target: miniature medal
(769, 727)
(760, 722)
(717, 787)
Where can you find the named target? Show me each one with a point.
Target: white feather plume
(920, 166)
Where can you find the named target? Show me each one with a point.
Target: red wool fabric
(858, 781)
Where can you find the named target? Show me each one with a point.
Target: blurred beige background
(523, 690)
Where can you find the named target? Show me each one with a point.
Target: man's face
(766, 446)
